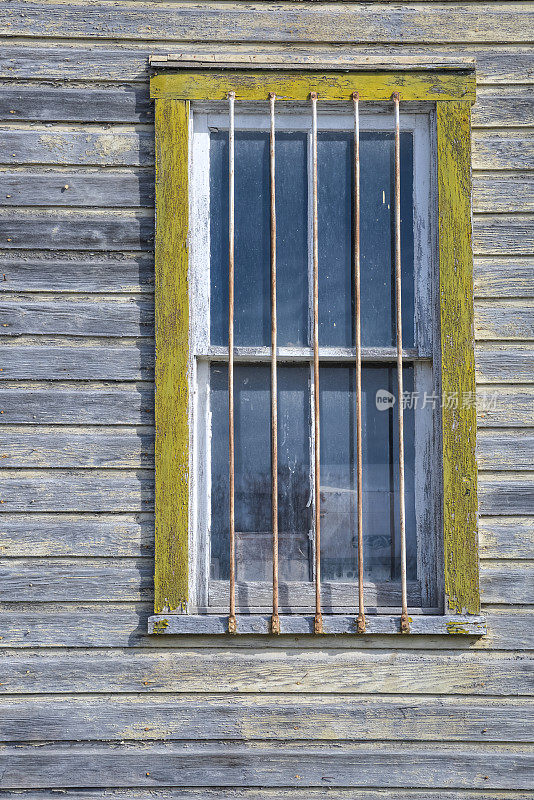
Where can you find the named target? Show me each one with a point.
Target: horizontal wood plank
(106, 61)
(502, 192)
(501, 363)
(258, 717)
(502, 493)
(501, 233)
(95, 404)
(123, 146)
(297, 764)
(76, 272)
(504, 407)
(45, 535)
(77, 229)
(110, 188)
(68, 361)
(508, 582)
(233, 668)
(30, 315)
(233, 22)
(505, 450)
(503, 276)
(511, 320)
(506, 537)
(107, 624)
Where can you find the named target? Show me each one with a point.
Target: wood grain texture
(457, 358)
(512, 320)
(257, 763)
(331, 86)
(125, 624)
(503, 276)
(506, 493)
(77, 535)
(506, 537)
(77, 229)
(172, 356)
(112, 188)
(501, 233)
(236, 793)
(76, 272)
(508, 582)
(504, 363)
(93, 404)
(108, 61)
(116, 146)
(501, 192)
(272, 671)
(505, 407)
(257, 717)
(56, 360)
(235, 22)
(506, 450)
(99, 316)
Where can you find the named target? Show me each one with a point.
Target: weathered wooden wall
(89, 701)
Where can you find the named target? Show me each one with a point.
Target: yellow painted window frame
(453, 92)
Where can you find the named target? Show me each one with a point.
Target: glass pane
(253, 473)
(252, 238)
(335, 197)
(380, 474)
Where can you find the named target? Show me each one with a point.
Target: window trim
(453, 93)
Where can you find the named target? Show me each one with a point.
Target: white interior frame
(419, 119)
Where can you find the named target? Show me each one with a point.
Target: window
(193, 550)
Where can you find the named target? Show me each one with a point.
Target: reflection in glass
(380, 475)
(252, 238)
(253, 472)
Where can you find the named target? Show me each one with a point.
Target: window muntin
(252, 332)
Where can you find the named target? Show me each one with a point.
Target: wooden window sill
(293, 624)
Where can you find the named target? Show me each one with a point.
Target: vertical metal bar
(232, 622)
(405, 623)
(275, 619)
(359, 465)
(318, 623)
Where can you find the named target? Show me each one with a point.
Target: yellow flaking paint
(172, 353)
(458, 363)
(249, 86)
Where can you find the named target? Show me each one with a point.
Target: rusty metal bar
(359, 466)
(232, 622)
(318, 623)
(405, 623)
(275, 619)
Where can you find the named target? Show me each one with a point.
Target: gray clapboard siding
(68, 361)
(77, 490)
(495, 363)
(129, 580)
(99, 404)
(506, 537)
(236, 22)
(506, 493)
(77, 272)
(99, 316)
(512, 320)
(257, 717)
(235, 669)
(114, 146)
(255, 763)
(501, 191)
(51, 580)
(94, 404)
(115, 535)
(51, 360)
(115, 490)
(236, 793)
(75, 229)
(125, 146)
(110, 188)
(503, 233)
(127, 104)
(133, 404)
(506, 582)
(501, 450)
(104, 535)
(119, 625)
(503, 276)
(105, 61)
